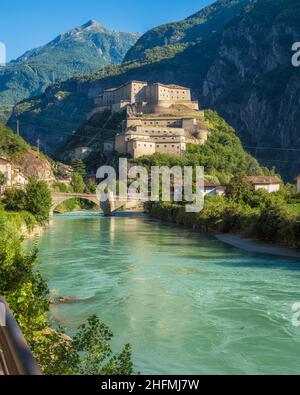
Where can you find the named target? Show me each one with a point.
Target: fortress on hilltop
(159, 118)
(150, 97)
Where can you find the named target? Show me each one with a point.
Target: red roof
(210, 185)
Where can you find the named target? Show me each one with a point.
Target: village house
(6, 170)
(13, 176)
(213, 189)
(268, 183)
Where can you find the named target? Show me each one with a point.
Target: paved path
(258, 247)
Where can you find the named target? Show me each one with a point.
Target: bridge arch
(109, 207)
(60, 197)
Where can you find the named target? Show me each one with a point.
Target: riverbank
(35, 231)
(258, 247)
(25, 223)
(267, 220)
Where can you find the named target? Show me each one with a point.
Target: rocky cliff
(253, 84)
(23, 157)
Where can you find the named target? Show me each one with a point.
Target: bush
(36, 199)
(14, 199)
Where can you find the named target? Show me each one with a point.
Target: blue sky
(26, 24)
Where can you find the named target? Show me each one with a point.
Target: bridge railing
(16, 358)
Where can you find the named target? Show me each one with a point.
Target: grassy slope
(222, 155)
(12, 146)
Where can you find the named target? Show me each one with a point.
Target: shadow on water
(258, 260)
(255, 260)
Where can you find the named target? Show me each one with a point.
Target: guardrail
(16, 358)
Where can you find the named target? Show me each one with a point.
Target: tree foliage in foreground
(89, 352)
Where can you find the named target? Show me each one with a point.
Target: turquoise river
(187, 303)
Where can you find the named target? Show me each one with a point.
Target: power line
(272, 148)
(97, 128)
(277, 160)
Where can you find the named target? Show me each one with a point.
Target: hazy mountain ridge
(81, 50)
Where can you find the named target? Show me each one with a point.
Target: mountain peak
(92, 23)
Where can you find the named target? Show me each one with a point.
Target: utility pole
(18, 127)
(38, 145)
(53, 77)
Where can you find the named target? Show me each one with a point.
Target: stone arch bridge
(109, 207)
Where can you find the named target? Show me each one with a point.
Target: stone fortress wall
(160, 118)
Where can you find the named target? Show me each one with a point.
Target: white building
(213, 189)
(13, 176)
(6, 169)
(268, 183)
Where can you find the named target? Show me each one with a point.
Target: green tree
(79, 166)
(91, 187)
(15, 267)
(239, 188)
(14, 199)
(77, 183)
(22, 287)
(38, 199)
(92, 342)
